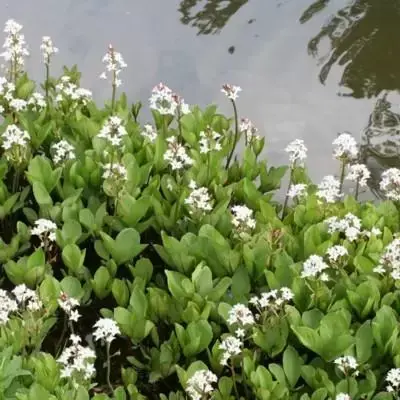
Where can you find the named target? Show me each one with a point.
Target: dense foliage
(152, 262)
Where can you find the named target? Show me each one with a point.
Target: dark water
(308, 69)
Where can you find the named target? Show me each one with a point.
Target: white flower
(114, 65)
(45, 229)
(106, 329)
(297, 191)
(241, 315)
(342, 396)
(242, 220)
(350, 225)
(209, 141)
(18, 105)
(297, 152)
(347, 364)
(15, 46)
(71, 93)
(77, 361)
(313, 267)
(182, 107)
(345, 147)
(329, 189)
(35, 304)
(149, 133)
(199, 200)
(37, 101)
(376, 231)
(200, 385)
(13, 136)
(240, 333)
(7, 306)
(390, 183)
(48, 49)
(62, 151)
(176, 154)
(273, 300)
(359, 173)
(390, 260)
(336, 252)
(249, 130)
(231, 91)
(69, 304)
(231, 346)
(113, 131)
(163, 100)
(116, 172)
(393, 378)
(27, 297)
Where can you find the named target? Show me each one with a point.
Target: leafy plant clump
(150, 261)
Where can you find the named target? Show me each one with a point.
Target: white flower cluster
(114, 65)
(249, 130)
(69, 305)
(62, 151)
(106, 329)
(113, 131)
(200, 385)
(231, 91)
(176, 154)
(336, 253)
(390, 183)
(393, 379)
(166, 102)
(7, 88)
(390, 260)
(329, 189)
(45, 229)
(77, 360)
(199, 199)
(242, 316)
(359, 173)
(37, 101)
(272, 300)
(242, 220)
(116, 172)
(14, 46)
(71, 92)
(348, 365)
(345, 147)
(27, 298)
(297, 191)
(209, 141)
(314, 267)
(48, 49)
(149, 133)
(350, 225)
(231, 346)
(18, 105)
(7, 306)
(297, 152)
(342, 396)
(13, 136)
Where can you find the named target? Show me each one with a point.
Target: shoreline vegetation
(151, 261)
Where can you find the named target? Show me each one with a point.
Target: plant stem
(228, 161)
(357, 188)
(234, 382)
(15, 184)
(46, 84)
(179, 122)
(244, 379)
(60, 340)
(108, 367)
(287, 193)
(208, 166)
(342, 171)
(114, 89)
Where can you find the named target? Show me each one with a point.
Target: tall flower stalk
(114, 65)
(48, 49)
(232, 93)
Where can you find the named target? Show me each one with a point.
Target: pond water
(309, 69)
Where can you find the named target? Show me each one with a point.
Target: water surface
(308, 69)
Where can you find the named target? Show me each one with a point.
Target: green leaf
(292, 363)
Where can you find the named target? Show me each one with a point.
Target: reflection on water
(209, 17)
(364, 37)
(380, 147)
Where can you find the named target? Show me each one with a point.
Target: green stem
(208, 166)
(357, 189)
(60, 340)
(47, 83)
(108, 367)
(287, 193)
(244, 379)
(114, 90)
(342, 172)
(179, 122)
(15, 184)
(234, 382)
(236, 137)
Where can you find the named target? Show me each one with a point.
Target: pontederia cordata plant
(152, 260)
